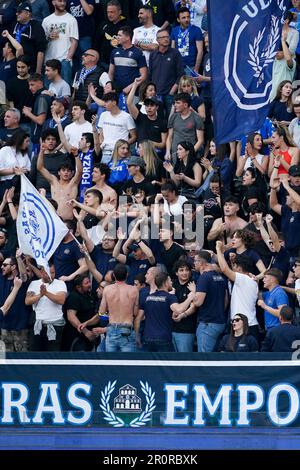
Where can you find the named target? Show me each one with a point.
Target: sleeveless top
(287, 158)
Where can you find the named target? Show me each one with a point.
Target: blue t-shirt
(86, 24)
(119, 172)
(136, 267)
(17, 317)
(185, 42)
(127, 64)
(290, 227)
(213, 308)
(143, 294)
(273, 299)
(66, 258)
(8, 70)
(104, 261)
(158, 315)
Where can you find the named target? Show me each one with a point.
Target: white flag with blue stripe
(39, 228)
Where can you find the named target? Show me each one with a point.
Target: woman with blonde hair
(118, 164)
(155, 171)
(188, 85)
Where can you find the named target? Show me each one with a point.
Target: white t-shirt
(145, 36)
(67, 27)
(74, 131)
(60, 88)
(244, 297)
(176, 208)
(45, 309)
(115, 127)
(10, 158)
(297, 289)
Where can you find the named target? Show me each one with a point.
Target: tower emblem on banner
(127, 408)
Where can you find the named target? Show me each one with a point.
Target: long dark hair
(231, 339)
(191, 159)
(17, 139)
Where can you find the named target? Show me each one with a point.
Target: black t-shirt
(17, 90)
(33, 40)
(170, 256)
(105, 36)
(149, 129)
(240, 344)
(211, 206)
(131, 187)
(188, 324)
(85, 306)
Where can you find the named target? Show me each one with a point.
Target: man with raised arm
(65, 187)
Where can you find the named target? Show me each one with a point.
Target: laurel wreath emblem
(258, 60)
(117, 422)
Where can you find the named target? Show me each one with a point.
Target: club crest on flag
(39, 228)
(261, 53)
(244, 38)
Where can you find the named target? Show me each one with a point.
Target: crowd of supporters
(174, 243)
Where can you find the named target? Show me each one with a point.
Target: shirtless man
(232, 221)
(65, 187)
(122, 303)
(100, 175)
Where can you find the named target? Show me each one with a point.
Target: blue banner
(137, 391)
(244, 38)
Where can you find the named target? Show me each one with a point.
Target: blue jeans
(120, 337)
(66, 71)
(183, 342)
(207, 335)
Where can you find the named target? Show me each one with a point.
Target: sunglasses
(236, 320)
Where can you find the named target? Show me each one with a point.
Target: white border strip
(143, 363)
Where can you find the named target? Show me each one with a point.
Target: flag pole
(222, 203)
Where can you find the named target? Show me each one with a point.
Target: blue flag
(244, 37)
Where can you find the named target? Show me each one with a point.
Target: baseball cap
(294, 170)
(152, 99)
(24, 6)
(136, 161)
(275, 273)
